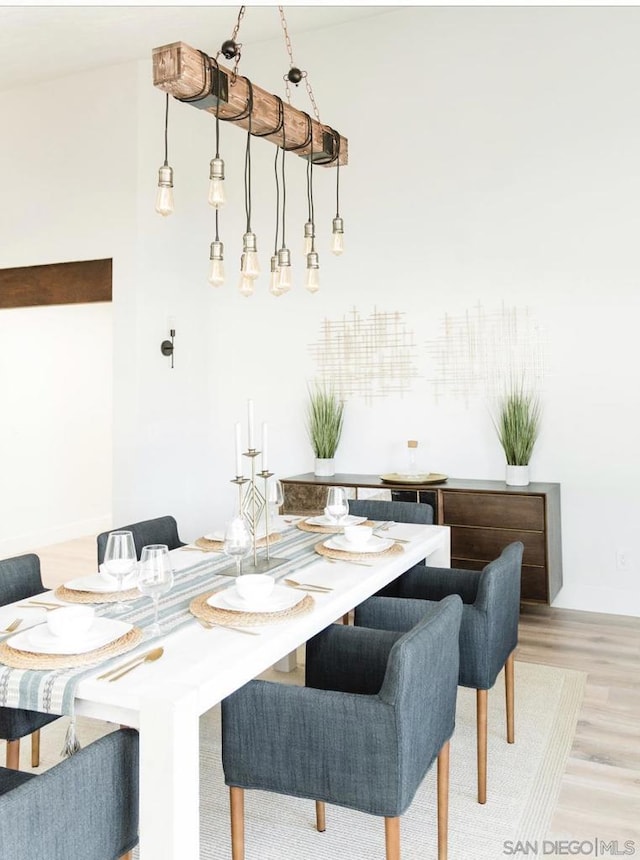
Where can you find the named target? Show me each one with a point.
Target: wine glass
(275, 497)
(337, 505)
(155, 577)
(237, 541)
(119, 560)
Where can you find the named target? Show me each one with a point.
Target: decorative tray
(420, 478)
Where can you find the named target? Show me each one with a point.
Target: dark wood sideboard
(484, 516)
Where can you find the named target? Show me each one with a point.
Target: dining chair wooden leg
(510, 696)
(236, 800)
(443, 802)
(13, 754)
(35, 748)
(321, 824)
(481, 720)
(345, 618)
(392, 838)
(127, 856)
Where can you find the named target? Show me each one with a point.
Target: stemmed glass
(119, 560)
(237, 541)
(155, 577)
(275, 497)
(337, 505)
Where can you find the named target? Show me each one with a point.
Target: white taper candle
(250, 416)
(264, 447)
(238, 450)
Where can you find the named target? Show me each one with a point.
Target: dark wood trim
(56, 284)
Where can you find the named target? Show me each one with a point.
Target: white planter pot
(324, 468)
(517, 476)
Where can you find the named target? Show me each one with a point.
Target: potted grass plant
(325, 414)
(518, 423)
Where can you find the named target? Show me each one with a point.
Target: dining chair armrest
(318, 744)
(390, 613)
(349, 659)
(434, 583)
(86, 806)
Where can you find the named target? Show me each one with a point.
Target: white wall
(493, 158)
(68, 194)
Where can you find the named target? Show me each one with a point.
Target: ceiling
(44, 42)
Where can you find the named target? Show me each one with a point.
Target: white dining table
(165, 699)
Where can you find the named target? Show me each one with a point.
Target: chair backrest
(397, 512)
(86, 806)
(20, 578)
(159, 530)
(420, 683)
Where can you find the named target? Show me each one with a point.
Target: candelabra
(253, 507)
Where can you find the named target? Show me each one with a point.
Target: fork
(308, 586)
(13, 626)
(210, 625)
(395, 539)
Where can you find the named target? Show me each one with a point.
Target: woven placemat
(29, 660)
(230, 618)
(207, 545)
(326, 530)
(321, 549)
(70, 595)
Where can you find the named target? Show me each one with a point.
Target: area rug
(523, 784)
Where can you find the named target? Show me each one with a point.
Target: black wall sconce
(167, 346)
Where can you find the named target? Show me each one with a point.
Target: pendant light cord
(275, 166)
(284, 183)
(166, 132)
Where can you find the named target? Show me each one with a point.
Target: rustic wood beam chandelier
(192, 76)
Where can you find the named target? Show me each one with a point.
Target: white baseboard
(611, 601)
(58, 534)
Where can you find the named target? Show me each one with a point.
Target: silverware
(211, 625)
(307, 586)
(347, 561)
(42, 605)
(390, 537)
(150, 656)
(13, 626)
(384, 526)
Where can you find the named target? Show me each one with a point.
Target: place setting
(254, 599)
(335, 517)
(358, 544)
(70, 637)
(117, 580)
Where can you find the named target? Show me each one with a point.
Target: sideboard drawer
(533, 583)
(501, 510)
(487, 544)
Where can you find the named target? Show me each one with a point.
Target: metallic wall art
(373, 356)
(480, 351)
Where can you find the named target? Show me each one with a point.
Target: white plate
(349, 520)
(280, 598)
(40, 640)
(374, 544)
(100, 584)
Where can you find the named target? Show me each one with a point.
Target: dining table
(201, 665)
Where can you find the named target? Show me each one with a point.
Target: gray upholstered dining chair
(398, 512)
(85, 807)
(159, 530)
(488, 632)
(378, 708)
(20, 578)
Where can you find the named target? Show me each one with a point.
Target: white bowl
(70, 621)
(254, 587)
(359, 536)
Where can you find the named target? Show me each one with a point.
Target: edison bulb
(284, 281)
(164, 197)
(274, 279)
(250, 265)
(312, 281)
(216, 196)
(337, 243)
(246, 285)
(216, 273)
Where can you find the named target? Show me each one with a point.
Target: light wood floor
(600, 793)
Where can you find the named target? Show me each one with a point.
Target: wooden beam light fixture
(192, 76)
